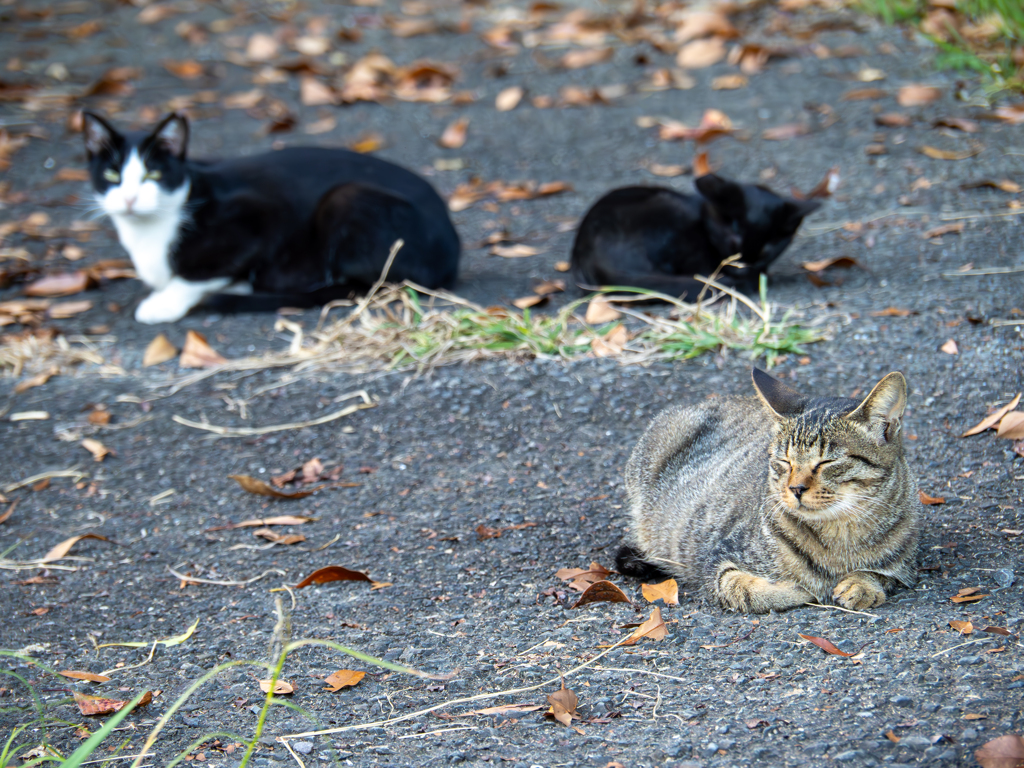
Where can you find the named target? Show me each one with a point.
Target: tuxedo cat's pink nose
(129, 202)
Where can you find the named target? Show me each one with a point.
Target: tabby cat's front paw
(858, 591)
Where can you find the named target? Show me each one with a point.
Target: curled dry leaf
(66, 309)
(667, 590)
(600, 311)
(159, 350)
(36, 381)
(562, 266)
(945, 229)
(786, 132)
(332, 573)
(992, 419)
(917, 95)
(563, 706)
(729, 82)
(525, 302)
(959, 123)
(260, 488)
(280, 686)
(870, 75)
(62, 549)
(863, 94)
(454, 135)
(63, 284)
(596, 572)
(97, 705)
(587, 57)
(368, 142)
(1011, 426)
(894, 120)
(828, 185)
(893, 312)
(1004, 752)
(264, 521)
(968, 595)
(943, 154)
(313, 93)
(701, 53)
(825, 645)
(548, 287)
(601, 592)
(90, 676)
(930, 500)
(950, 348)
(1004, 185)
(261, 47)
(98, 450)
(963, 627)
(279, 538)
(701, 166)
(653, 629)
(612, 343)
(197, 353)
(509, 98)
(343, 678)
(189, 69)
(515, 251)
(667, 170)
(835, 261)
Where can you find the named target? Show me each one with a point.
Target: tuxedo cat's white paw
(161, 307)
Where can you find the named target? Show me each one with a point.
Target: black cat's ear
(97, 132)
(881, 412)
(172, 134)
(779, 399)
(725, 195)
(798, 209)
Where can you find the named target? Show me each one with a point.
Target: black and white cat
(658, 239)
(303, 224)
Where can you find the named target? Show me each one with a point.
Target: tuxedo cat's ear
(172, 134)
(97, 132)
(798, 209)
(882, 410)
(779, 399)
(723, 194)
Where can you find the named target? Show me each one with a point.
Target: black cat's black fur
(303, 225)
(658, 239)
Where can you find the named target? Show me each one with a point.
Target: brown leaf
(562, 266)
(509, 98)
(66, 309)
(331, 573)
(454, 135)
(894, 120)
(1013, 114)
(577, 59)
(785, 132)
(968, 595)
(825, 645)
(563, 706)
(667, 590)
(1004, 752)
(917, 95)
(993, 418)
(280, 686)
(503, 709)
(599, 311)
(1002, 184)
(97, 705)
(260, 488)
(84, 30)
(62, 549)
(99, 417)
(548, 287)
(828, 185)
(835, 261)
(950, 348)
(189, 69)
(930, 500)
(343, 678)
(91, 677)
(525, 302)
(729, 82)
(261, 47)
(72, 174)
(515, 251)
(1011, 426)
(98, 450)
(667, 170)
(654, 629)
(276, 520)
(943, 154)
(313, 93)
(701, 53)
(701, 166)
(862, 94)
(159, 350)
(945, 229)
(63, 284)
(197, 353)
(997, 631)
(368, 142)
(279, 538)
(963, 627)
(612, 343)
(601, 592)
(36, 381)
(697, 24)
(893, 312)
(596, 572)
(960, 123)
(413, 27)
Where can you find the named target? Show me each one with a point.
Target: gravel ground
(537, 448)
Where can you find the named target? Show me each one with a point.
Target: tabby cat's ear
(779, 399)
(98, 133)
(172, 134)
(882, 410)
(723, 194)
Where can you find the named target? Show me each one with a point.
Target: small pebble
(303, 747)
(1003, 577)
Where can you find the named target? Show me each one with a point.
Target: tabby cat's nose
(797, 490)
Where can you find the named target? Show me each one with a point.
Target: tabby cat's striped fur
(766, 503)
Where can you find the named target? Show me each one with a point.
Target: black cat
(303, 224)
(658, 239)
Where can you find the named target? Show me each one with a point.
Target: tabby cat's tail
(630, 562)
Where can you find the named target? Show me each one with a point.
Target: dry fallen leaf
(701, 166)
(189, 69)
(159, 350)
(825, 645)
(601, 592)
(917, 95)
(1011, 426)
(1004, 185)
(65, 309)
(331, 573)
(612, 343)
(98, 450)
(1003, 752)
(600, 311)
(549, 286)
(97, 705)
(261, 47)
(368, 142)
(894, 120)
(525, 302)
(930, 500)
(701, 53)
(197, 353)
(835, 261)
(260, 488)
(62, 549)
(992, 419)
(90, 676)
(785, 132)
(596, 572)
(893, 312)
(454, 135)
(963, 627)
(563, 706)
(942, 154)
(959, 123)
(36, 381)
(578, 59)
(63, 284)
(667, 590)
(654, 629)
(509, 98)
(950, 348)
(280, 686)
(562, 266)
(870, 75)
(667, 170)
(313, 93)
(263, 521)
(968, 595)
(729, 82)
(944, 229)
(515, 251)
(273, 536)
(861, 94)
(343, 678)
(828, 185)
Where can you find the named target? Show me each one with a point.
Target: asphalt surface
(539, 445)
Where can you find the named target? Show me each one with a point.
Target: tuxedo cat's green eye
(154, 175)
(111, 175)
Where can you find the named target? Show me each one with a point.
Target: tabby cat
(767, 503)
